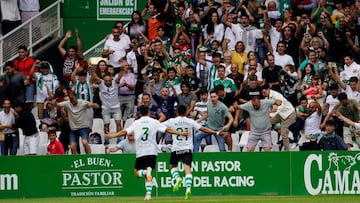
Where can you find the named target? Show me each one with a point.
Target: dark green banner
(115, 9)
(276, 173)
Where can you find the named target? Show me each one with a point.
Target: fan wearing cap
(46, 83)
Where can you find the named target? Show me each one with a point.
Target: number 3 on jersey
(179, 137)
(146, 134)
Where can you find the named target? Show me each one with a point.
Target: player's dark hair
(181, 110)
(144, 110)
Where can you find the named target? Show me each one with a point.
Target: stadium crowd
(236, 65)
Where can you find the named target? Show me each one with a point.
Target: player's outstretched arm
(208, 130)
(175, 132)
(118, 134)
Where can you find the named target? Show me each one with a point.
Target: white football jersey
(145, 130)
(182, 124)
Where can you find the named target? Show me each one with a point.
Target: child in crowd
(314, 90)
(301, 115)
(329, 140)
(55, 146)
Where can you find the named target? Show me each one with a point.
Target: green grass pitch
(198, 199)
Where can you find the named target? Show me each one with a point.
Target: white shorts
(114, 113)
(31, 144)
(254, 138)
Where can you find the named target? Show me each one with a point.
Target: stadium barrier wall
(276, 173)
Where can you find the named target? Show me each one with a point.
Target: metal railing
(94, 51)
(32, 33)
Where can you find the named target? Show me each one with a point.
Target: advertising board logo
(8, 182)
(340, 177)
(92, 176)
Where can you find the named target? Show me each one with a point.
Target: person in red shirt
(55, 146)
(23, 64)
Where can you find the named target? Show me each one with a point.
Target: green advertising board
(277, 173)
(325, 173)
(115, 9)
(93, 26)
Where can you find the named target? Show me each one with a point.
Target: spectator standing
(226, 82)
(115, 47)
(238, 56)
(356, 125)
(191, 79)
(351, 88)
(285, 114)
(329, 140)
(260, 122)
(9, 143)
(216, 114)
(74, 53)
(137, 27)
(187, 98)
(311, 126)
(164, 100)
(236, 76)
(156, 20)
(214, 30)
(110, 104)
(78, 120)
(351, 69)
(46, 84)
(23, 64)
(13, 82)
(127, 84)
(212, 70)
(28, 9)
(10, 16)
(350, 109)
(245, 32)
(26, 121)
(155, 111)
(270, 74)
(101, 70)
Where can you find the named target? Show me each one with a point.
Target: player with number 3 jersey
(145, 130)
